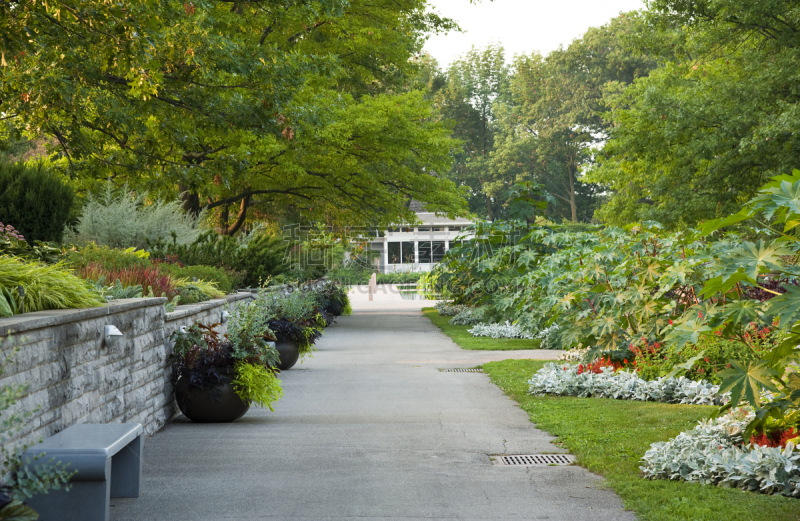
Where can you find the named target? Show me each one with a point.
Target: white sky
(521, 26)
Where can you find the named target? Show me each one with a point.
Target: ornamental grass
(45, 286)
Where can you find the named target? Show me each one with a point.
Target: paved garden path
(369, 429)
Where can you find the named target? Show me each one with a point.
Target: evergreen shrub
(35, 201)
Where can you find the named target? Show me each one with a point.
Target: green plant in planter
(242, 359)
(257, 384)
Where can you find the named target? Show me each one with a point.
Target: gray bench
(108, 458)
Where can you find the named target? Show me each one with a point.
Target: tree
(474, 83)
(554, 116)
(234, 104)
(698, 136)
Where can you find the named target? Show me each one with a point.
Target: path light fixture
(111, 335)
(21, 293)
(225, 316)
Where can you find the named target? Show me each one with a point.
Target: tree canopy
(698, 136)
(294, 103)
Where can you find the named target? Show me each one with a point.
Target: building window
(408, 252)
(424, 229)
(401, 252)
(394, 253)
(437, 251)
(438, 229)
(424, 252)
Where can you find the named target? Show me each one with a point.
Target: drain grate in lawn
(531, 460)
(461, 370)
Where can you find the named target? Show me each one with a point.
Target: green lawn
(466, 341)
(609, 437)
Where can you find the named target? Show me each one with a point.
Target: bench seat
(108, 461)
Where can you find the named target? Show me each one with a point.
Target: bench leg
(85, 501)
(126, 469)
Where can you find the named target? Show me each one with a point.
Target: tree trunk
(224, 214)
(572, 202)
(191, 200)
(240, 218)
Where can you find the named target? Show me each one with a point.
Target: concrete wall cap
(57, 317)
(192, 309)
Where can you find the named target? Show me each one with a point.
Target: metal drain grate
(460, 370)
(529, 460)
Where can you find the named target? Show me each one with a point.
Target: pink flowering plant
(12, 242)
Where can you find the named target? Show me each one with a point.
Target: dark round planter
(289, 353)
(217, 404)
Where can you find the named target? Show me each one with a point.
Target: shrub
(46, 287)
(407, 277)
(122, 219)
(263, 258)
(225, 280)
(710, 355)
(207, 249)
(107, 258)
(198, 291)
(34, 200)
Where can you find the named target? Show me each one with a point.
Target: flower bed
(606, 382)
(714, 453)
(507, 330)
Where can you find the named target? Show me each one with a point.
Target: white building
(419, 247)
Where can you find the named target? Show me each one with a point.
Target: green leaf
(783, 353)
(724, 284)
(754, 258)
(5, 308)
(712, 226)
(744, 381)
(688, 331)
(786, 307)
(16, 511)
(686, 366)
(742, 311)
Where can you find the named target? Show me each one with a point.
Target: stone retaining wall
(74, 377)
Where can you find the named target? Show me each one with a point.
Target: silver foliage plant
(121, 219)
(549, 337)
(448, 309)
(468, 317)
(574, 355)
(564, 380)
(507, 330)
(714, 453)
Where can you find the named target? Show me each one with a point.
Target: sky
(521, 26)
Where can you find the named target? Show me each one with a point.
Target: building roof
(432, 218)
